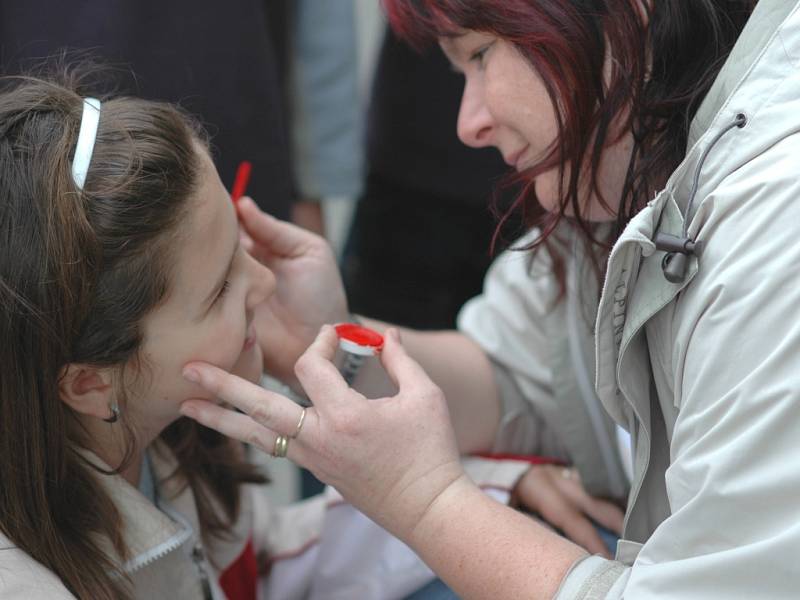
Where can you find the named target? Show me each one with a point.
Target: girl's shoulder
(23, 578)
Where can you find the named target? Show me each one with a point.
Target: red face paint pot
(355, 339)
(357, 343)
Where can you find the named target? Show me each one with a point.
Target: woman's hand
(392, 457)
(557, 496)
(309, 289)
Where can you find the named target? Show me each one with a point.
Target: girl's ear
(87, 390)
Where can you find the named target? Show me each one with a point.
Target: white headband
(86, 140)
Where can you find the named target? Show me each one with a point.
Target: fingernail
(191, 374)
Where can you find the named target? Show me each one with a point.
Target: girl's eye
(223, 290)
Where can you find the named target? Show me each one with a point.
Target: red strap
(240, 580)
(533, 459)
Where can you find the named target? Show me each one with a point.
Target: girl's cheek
(220, 347)
(228, 351)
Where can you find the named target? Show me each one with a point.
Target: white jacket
(542, 354)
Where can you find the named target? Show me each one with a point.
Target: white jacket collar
(150, 532)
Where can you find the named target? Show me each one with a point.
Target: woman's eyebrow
(449, 45)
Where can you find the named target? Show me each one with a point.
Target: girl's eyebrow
(221, 280)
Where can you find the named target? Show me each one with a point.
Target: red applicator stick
(241, 180)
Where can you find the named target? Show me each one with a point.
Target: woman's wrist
(458, 496)
(472, 554)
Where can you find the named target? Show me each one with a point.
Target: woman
(696, 357)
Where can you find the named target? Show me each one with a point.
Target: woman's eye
(479, 54)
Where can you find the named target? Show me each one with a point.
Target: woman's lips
(513, 160)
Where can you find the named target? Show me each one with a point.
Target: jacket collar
(756, 67)
(147, 532)
(150, 532)
(761, 28)
(624, 306)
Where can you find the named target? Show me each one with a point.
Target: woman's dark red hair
(662, 62)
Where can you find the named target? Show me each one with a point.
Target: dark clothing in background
(420, 242)
(216, 59)
(414, 258)
(411, 133)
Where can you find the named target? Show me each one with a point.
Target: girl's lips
(250, 340)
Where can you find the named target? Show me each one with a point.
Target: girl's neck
(110, 443)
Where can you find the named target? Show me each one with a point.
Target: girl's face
(505, 105)
(208, 314)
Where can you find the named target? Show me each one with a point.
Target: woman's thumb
(403, 370)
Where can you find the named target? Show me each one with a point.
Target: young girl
(120, 262)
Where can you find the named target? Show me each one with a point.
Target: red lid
(361, 336)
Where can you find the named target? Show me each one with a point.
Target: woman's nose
(475, 123)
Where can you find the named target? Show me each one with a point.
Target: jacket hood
(761, 81)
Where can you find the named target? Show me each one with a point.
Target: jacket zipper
(197, 554)
(157, 553)
(199, 557)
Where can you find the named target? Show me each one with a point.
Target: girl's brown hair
(79, 269)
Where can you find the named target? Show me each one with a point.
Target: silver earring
(114, 413)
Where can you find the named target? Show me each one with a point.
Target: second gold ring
(281, 446)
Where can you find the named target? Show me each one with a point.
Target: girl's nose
(262, 284)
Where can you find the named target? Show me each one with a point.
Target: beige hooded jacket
(168, 558)
(319, 548)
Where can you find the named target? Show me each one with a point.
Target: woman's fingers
(579, 529)
(403, 370)
(547, 491)
(276, 237)
(246, 240)
(392, 459)
(605, 513)
(315, 370)
(237, 426)
(264, 407)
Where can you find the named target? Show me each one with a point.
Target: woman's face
(505, 105)
(208, 314)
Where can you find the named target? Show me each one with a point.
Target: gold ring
(299, 425)
(281, 446)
